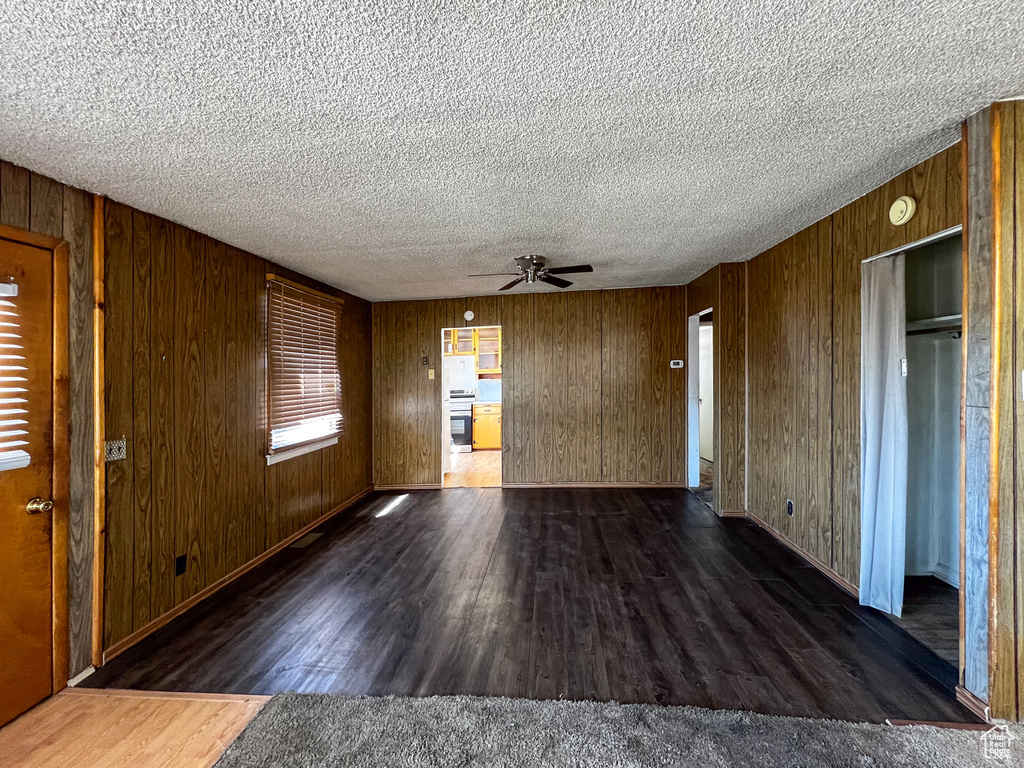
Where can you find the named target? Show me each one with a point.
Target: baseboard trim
(825, 569)
(409, 487)
(593, 485)
(123, 645)
(978, 707)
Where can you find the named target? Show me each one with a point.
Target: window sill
(277, 458)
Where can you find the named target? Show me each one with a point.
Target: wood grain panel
(119, 591)
(1007, 531)
(587, 392)
(162, 420)
(1006, 395)
(192, 390)
(78, 233)
(142, 433)
(804, 361)
(15, 195)
(977, 392)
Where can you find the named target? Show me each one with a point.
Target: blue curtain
(883, 434)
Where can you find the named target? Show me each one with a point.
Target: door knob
(37, 505)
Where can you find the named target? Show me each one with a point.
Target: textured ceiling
(390, 149)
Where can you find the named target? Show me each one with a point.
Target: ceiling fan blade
(493, 274)
(570, 270)
(555, 281)
(513, 284)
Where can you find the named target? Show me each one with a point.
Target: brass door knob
(37, 505)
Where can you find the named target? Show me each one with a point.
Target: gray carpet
(315, 730)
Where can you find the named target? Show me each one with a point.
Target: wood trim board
(973, 703)
(123, 645)
(99, 432)
(60, 493)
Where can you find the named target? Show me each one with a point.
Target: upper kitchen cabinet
(459, 341)
(488, 349)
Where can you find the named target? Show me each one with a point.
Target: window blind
(13, 384)
(304, 383)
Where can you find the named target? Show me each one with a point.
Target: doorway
(33, 469)
(934, 294)
(701, 405)
(471, 415)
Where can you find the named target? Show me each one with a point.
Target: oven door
(462, 429)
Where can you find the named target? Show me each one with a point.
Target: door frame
(59, 517)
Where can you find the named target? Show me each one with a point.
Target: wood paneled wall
(39, 204)
(587, 392)
(804, 366)
(185, 368)
(791, 368)
(1005, 126)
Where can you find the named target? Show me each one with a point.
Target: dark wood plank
(142, 418)
(189, 419)
(120, 515)
(627, 595)
(162, 404)
(78, 232)
(15, 184)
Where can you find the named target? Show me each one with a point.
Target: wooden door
(26, 474)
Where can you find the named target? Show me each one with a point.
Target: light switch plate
(430, 373)
(675, 363)
(115, 450)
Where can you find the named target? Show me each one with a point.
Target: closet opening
(934, 295)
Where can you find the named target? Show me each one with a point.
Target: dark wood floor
(931, 614)
(627, 595)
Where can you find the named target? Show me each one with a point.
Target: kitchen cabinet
(459, 341)
(486, 426)
(488, 349)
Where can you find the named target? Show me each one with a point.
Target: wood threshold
(593, 485)
(934, 724)
(409, 487)
(826, 570)
(973, 703)
(185, 695)
(123, 645)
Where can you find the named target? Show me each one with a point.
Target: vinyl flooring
(633, 595)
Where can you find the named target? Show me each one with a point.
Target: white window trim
(276, 458)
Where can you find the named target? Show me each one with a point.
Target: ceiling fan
(531, 269)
